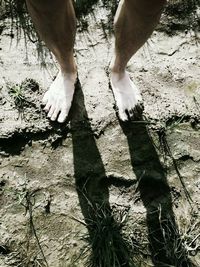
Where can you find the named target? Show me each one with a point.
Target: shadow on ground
(165, 241)
(108, 247)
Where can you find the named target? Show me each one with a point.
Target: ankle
(69, 68)
(68, 75)
(68, 71)
(67, 63)
(117, 70)
(117, 67)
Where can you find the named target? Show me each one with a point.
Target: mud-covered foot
(127, 96)
(58, 99)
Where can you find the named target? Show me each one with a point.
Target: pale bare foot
(127, 96)
(58, 98)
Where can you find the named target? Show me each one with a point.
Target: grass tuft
(16, 91)
(20, 94)
(105, 246)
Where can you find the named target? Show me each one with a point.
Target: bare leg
(55, 22)
(134, 22)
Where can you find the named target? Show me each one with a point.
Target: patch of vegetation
(189, 225)
(113, 239)
(20, 20)
(166, 152)
(105, 246)
(84, 7)
(26, 251)
(30, 253)
(180, 15)
(181, 9)
(17, 92)
(22, 26)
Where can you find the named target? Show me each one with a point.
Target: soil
(147, 171)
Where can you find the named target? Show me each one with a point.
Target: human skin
(55, 22)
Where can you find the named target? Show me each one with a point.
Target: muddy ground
(142, 175)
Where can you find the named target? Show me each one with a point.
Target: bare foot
(127, 96)
(58, 98)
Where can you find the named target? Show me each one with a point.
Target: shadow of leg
(165, 242)
(107, 245)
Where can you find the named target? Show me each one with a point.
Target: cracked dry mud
(42, 164)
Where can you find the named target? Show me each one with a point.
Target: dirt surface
(147, 171)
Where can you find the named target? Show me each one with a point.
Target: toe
(55, 114)
(130, 105)
(47, 107)
(136, 112)
(51, 111)
(123, 115)
(131, 113)
(63, 115)
(130, 109)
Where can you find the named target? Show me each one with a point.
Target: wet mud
(95, 190)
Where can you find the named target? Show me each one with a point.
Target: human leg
(55, 22)
(134, 22)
